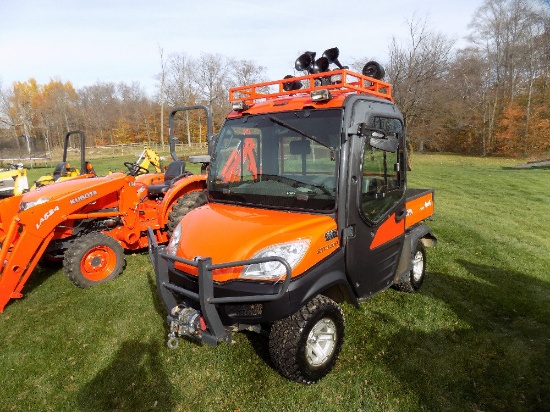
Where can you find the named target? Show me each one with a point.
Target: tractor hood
(60, 189)
(228, 233)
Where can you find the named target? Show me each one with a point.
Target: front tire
(95, 258)
(305, 346)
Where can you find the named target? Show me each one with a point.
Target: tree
(245, 72)
(508, 33)
(418, 72)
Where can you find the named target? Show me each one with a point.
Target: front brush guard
(215, 330)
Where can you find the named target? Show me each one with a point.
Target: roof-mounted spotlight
(332, 56)
(305, 61)
(321, 65)
(322, 95)
(289, 86)
(240, 106)
(374, 70)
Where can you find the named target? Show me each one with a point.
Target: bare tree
(212, 80)
(418, 70)
(162, 94)
(99, 107)
(245, 72)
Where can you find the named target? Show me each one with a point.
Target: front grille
(244, 310)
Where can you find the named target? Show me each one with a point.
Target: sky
(90, 41)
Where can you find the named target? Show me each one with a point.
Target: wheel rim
(418, 266)
(98, 263)
(321, 342)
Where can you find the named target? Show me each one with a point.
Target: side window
(381, 185)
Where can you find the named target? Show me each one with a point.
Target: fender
(328, 277)
(180, 187)
(412, 237)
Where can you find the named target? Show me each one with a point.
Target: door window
(381, 185)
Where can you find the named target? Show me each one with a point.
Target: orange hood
(229, 233)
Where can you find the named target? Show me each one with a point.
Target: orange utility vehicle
(307, 182)
(88, 223)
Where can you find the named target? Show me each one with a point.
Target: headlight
(172, 247)
(292, 252)
(28, 205)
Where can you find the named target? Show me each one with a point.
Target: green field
(475, 338)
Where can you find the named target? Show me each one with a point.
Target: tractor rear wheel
(95, 258)
(184, 205)
(305, 346)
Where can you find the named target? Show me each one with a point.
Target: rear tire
(95, 258)
(305, 346)
(414, 279)
(184, 205)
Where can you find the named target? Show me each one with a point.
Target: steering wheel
(135, 169)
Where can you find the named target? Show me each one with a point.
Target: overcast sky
(86, 41)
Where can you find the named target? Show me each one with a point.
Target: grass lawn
(475, 338)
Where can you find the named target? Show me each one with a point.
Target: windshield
(283, 160)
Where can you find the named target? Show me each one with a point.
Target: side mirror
(382, 142)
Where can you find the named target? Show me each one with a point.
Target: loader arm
(149, 157)
(26, 232)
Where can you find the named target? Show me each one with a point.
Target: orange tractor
(88, 223)
(308, 179)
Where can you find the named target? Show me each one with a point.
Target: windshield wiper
(294, 129)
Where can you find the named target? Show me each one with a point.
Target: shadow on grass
(134, 381)
(157, 301)
(494, 355)
(39, 275)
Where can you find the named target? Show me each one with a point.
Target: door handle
(399, 216)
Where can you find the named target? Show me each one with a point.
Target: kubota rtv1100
(307, 206)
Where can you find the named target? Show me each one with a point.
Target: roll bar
(173, 139)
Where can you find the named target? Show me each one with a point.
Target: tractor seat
(60, 170)
(174, 170)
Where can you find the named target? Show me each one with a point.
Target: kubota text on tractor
(307, 181)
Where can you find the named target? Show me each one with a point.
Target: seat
(175, 170)
(60, 170)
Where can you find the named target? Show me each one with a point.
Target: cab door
(376, 204)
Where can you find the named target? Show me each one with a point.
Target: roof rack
(337, 81)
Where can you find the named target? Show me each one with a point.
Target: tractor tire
(305, 346)
(95, 258)
(415, 277)
(184, 205)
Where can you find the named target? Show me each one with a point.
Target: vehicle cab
(307, 202)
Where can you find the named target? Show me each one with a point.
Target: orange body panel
(387, 231)
(419, 209)
(229, 233)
